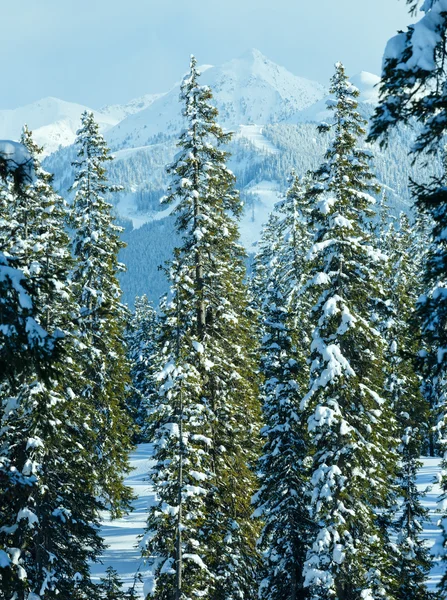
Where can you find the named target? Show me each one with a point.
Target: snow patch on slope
(254, 134)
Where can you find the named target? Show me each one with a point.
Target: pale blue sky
(99, 52)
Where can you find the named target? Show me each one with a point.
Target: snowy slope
(250, 90)
(122, 534)
(118, 112)
(53, 121)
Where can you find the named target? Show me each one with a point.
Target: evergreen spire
(96, 244)
(282, 502)
(142, 342)
(204, 544)
(349, 423)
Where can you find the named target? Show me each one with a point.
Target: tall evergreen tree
(412, 561)
(210, 342)
(413, 89)
(180, 430)
(349, 423)
(142, 343)
(96, 245)
(50, 513)
(432, 313)
(282, 502)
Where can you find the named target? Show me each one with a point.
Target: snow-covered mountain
(250, 90)
(273, 114)
(118, 112)
(53, 121)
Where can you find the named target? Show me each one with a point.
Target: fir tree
(279, 272)
(142, 340)
(50, 513)
(432, 314)
(295, 240)
(209, 341)
(179, 427)
(96, 245)
(111, 585)
(283, 498)
(411, 557)
(349, 424)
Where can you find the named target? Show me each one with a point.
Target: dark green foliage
(350, 426)
(102, 320)
(142, 344)
(50, 513)
(206, 419)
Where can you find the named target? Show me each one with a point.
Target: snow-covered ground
(122, 534)
(426, 480)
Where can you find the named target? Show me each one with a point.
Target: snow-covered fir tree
(411, 561)
(49, 531)
(179, 426)
(96, 243)
(350, 425)
(266, 263)
(142, 345)
(283, 500)
(206, 452)
(111, 586)
(432, 313)
(295, 240)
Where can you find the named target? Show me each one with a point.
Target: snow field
(122, 534)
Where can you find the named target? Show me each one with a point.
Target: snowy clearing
(254, 133)
(122, 534)
(265, 195)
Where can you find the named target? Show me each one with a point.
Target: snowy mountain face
(274, 116)
(250, 90)
(118, 112)
(53, 121)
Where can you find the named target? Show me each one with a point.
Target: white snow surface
(249, 90)
(122, 534)
(254, 134)
(54, 122)
(118, 112)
